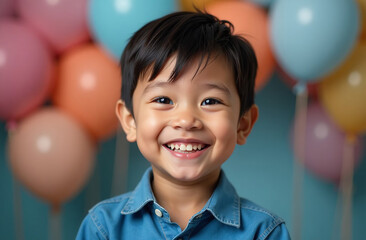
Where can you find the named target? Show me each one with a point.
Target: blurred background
(62, 151)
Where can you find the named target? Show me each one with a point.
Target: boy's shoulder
(103, 218)
(258, 219)
(250, 212)
(106, 215)
(115, 203)
(129, 202)
(248, 207)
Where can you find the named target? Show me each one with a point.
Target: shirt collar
(141, 196)
(224, 203)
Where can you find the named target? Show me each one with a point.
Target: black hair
(188, 35)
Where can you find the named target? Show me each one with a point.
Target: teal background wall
(261, 170)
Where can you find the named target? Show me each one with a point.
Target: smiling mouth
(186, 148)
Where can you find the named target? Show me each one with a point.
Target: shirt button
(158, 213)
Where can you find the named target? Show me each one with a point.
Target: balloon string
(298, 169)
(120, 174)
(18, 216)
(346, 188)
(55, 231)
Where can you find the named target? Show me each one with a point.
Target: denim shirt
(136, 215)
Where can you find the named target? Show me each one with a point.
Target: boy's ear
(246, 123)
(127, 120)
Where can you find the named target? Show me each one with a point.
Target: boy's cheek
(223, 127)
(148, 125)
(224, 133)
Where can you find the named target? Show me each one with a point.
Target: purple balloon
(25, 70)
(324, 145)
(62, 23)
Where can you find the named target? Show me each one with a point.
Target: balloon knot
(300, 88)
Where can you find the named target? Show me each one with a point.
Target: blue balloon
(311, 38)
(113, 22)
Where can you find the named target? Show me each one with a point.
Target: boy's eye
(163, 100)
(210, 101)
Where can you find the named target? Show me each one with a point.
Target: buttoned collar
(224, 203)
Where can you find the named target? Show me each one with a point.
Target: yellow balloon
(343, 93)
(188, 5)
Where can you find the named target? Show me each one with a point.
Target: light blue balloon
(113, 22)
(311, 38)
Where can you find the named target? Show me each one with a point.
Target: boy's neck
(183, 200)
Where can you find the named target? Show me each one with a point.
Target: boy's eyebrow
(220, 87)
(156, 85)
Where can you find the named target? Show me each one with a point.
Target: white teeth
(189, 147)
(182, 147)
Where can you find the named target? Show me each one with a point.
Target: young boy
(187, 100)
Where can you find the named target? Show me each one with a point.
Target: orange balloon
(188, 5)
(250, 21)
(51, 154)
(343, 93)
(88, 88)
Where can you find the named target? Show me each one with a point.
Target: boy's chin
(187, 176)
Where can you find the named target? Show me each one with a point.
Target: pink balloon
(6, 8)
(25, 70)
(63, 23)
(51, 154)
(324, 145)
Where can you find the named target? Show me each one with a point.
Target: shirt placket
(170, 230)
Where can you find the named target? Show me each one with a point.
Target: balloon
(25, 70)
(88, 88)
(113, 22)
(188, 5)
(6, 8)
(311, 38)
(362, 4)
(62, 23)
(51, 155)
(324, 145)
(343, 93)
(251, 22)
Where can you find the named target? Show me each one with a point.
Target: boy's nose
(187, 120)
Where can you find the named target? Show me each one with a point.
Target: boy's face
(188, 128)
